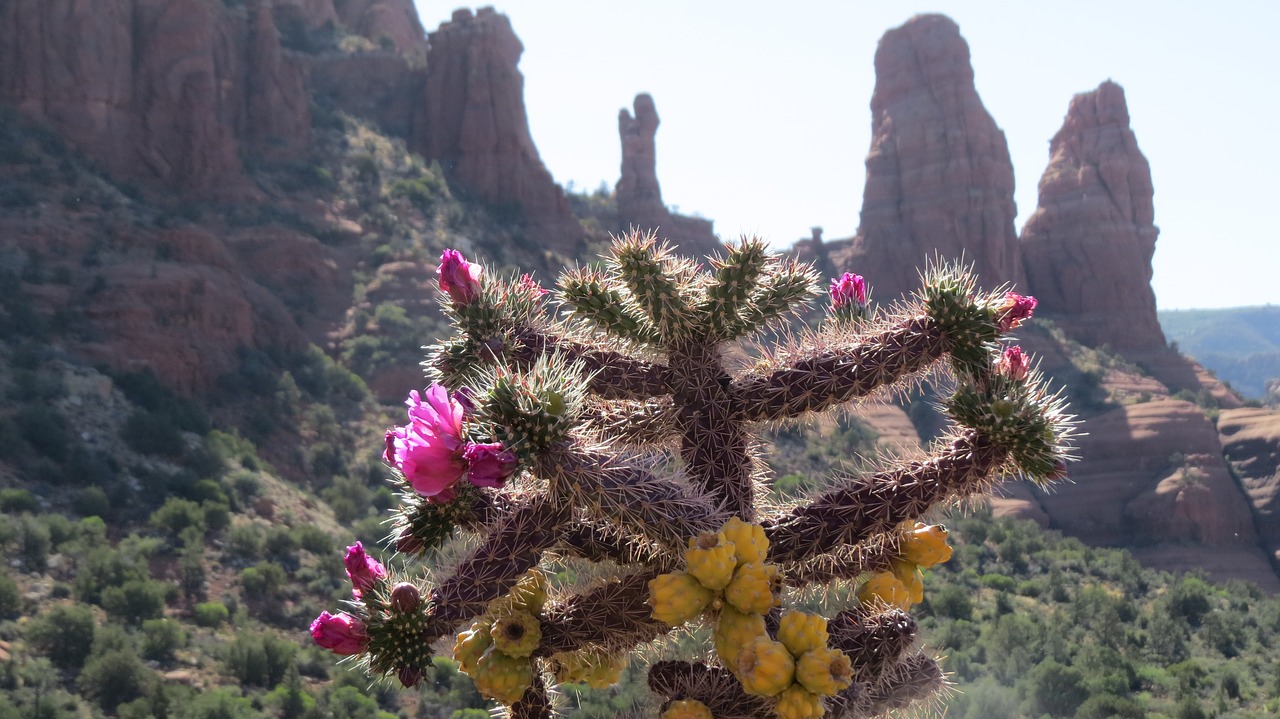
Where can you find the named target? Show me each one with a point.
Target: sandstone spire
(1088, 247)
(473, 121)
(638, 194)
(939, 177)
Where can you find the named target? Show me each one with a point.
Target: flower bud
(1014, 310)
(489, 465)
(409, 676)
(405, 598)
(339, 633)
(364, 571)
(1014, 363)
(458, 278)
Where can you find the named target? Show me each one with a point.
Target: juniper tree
(620, 435)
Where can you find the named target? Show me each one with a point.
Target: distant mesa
(638, 194)
(1087, 248)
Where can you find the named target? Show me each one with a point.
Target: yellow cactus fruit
(754, 588)
(926, 545)
(795, 702)
(607, 672)
(765, 667)
(711, 560)
(530, 593)
(471, 645)
(749, 542)
(911, 578)
(686, 709)
(677, 597)
(735, 630)
(824, 671)
(887, 589)
(594, 666)
(801, 632)
(516, 634)
(502, 677)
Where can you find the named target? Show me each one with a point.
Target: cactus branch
(616, 615)
(838, 375)
(513, 546)
(613, 375)
(713, 686)
(879, 502)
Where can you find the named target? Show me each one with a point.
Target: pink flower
(1014, 363)
(429, 449)
(489, 465)
(339, 633)
(1014, 310)
(530, 285)
(364, 571)
(459, 278)
(849, 289)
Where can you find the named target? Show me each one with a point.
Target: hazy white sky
(766, 120)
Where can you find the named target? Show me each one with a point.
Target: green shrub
(16, 501)
(209, 614)
(260, 660)
(10, 597)
(45, 429)
(161, 638)
(149, 433)
(176, 515)
(114, 677)
(64, 634)
(135, 600)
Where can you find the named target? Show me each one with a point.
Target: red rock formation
(1087, 248)
(473, 121)
(313, 13)
(396, 20)
(278, 115)
(154, 89)
(939, 177)
(1251, 443)
(638, 194)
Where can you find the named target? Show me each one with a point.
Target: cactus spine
(632, 439)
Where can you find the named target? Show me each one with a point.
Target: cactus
(620, 437)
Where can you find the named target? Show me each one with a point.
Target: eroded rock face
(1087, 248)
(638, 193)
(395, 20)
(1251, 443)
(473, 122)
(158, 90)
(939, 177)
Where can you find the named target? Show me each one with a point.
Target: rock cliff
(395, 20)
(168, 91)
(1087, 248)
(939, 177)
(473, 122)
(1251, 443)
(638, 193)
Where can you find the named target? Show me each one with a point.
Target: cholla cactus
(547, 438)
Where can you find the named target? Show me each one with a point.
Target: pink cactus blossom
(1014, 310)
(531, 285)
(1014, 363)
(364, 571)
(850, 289)
(339, 633)
(489, 465)
(458, 278)
(429, 450)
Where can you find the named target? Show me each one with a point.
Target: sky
(766, 121)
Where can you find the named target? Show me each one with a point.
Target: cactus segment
(615, 614)
(589, 295)
(658, 285)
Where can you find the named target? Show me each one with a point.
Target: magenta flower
(489, 465)
(850, 289)
(339, 633)
(530, 285)
(429, 449)
(364, 571)
(1014, 310)
(458, 278)
(1014, 363)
